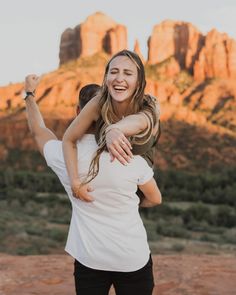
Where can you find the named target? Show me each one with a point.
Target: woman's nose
(119, 77)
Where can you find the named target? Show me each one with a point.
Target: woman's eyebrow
(128, 70)
(125, 70)
(114, 68)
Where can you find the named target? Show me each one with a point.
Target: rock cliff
(192, 75)
(204, 57)
(98, 33)
(210, 56)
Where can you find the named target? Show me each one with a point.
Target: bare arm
(152, 194)
(136, 123)
(76, 130)
(116, 137)
(132, 124)
(35, 120)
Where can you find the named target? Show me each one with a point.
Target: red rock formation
(206, 57)
(217, 57)
(210, 104)
(215, 101)
(231, 61)
(169, 69)
(69, 49)
(116, 39)
(179, 39)
(98, 33)
(212, 61)
(138, 51)
(165, 91)
(213, 55)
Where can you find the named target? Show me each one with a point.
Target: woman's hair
(139, 103)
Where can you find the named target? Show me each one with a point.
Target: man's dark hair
(86, 93)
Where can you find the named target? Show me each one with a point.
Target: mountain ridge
(206, 105)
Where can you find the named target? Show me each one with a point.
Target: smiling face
(122, 80)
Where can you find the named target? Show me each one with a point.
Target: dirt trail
(174, 275)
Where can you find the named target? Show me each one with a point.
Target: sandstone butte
(191, 74)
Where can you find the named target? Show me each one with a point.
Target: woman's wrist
(75, 180)
(112, 127)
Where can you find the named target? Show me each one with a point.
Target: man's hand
(31, 83)
(118, 145)
(81, 191)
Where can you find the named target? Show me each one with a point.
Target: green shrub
(57, 234)
(172, 231)
(196, 212)
(178, 247)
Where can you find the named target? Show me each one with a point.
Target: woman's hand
(118, 145)
(81, 191)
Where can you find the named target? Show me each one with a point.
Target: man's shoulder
(52, 151)
(141, 165)
(87, 140)
(53, 144)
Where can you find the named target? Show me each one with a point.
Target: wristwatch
(29, 93)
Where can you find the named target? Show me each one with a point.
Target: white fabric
(107, 234)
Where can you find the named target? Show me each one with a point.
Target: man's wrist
(28, 94)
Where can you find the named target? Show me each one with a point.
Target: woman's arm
(117, 143)
(152, 194)
(136, 123)
(116, 136)
(75, 131)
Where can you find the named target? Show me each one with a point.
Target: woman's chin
(119, 98)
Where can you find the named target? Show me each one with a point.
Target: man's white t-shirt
(108, 233)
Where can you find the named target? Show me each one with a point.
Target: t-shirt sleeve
(52, 152)
(53, 155)
(146, 173)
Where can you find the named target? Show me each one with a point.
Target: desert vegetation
(198, 214)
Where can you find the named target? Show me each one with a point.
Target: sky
(30, 30)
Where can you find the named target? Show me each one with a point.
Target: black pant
(90, 281)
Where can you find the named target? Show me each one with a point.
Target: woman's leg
(139, 282)
(90, 281)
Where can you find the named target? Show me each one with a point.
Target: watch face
(29, 93)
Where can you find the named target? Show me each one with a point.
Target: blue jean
(90, 281)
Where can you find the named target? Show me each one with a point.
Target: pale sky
(30, 30)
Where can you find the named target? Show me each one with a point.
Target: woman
(121, 96)
(126, 261)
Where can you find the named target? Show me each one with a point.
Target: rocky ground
(174, 275)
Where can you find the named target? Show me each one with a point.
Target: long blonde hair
(139, 103)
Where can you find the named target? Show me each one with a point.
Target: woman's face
(122, 78)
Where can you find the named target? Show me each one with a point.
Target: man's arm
(35, 120)
(152, 194)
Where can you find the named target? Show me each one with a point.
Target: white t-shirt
(108, 233)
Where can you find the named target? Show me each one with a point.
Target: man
(103, 246)
(42, 134)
